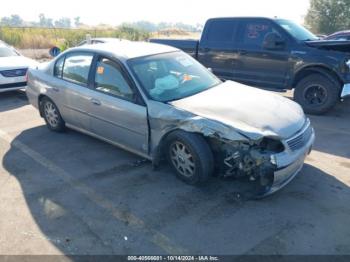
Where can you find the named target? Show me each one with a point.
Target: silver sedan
(159, 103)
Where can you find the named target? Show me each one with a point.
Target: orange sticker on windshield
(100, 70)
(187, 77)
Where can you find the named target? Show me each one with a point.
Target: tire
(52, 115)
(190, 156)
(317, 94)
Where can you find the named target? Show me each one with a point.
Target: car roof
(125, 50)
(243, 17)
(3, 44)
(108, 39)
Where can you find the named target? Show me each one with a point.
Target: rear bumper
(12, 86)
(345, 91)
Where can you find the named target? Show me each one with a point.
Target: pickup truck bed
(189, 46)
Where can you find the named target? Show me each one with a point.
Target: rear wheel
(52, 115)
(317, 94)
(190, 156)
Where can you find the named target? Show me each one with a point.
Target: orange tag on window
(187, 78)
(100, 70)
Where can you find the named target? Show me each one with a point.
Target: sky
(186, 11)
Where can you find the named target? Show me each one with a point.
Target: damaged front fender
(164, 119)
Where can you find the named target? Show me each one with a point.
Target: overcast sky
(186, 11)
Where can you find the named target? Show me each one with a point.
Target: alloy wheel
(182, 159)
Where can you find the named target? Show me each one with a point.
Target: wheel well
(160, 151)
(39, 104)
(330, 74)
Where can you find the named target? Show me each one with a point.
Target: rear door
(116, 112)
(217, 49)
(70, 91)
(258, 66)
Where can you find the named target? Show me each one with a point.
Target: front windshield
(297, 31)
(171, 76)
(5, 52)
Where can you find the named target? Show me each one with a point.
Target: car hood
(16, 62)
(335, 45)
(251, 111)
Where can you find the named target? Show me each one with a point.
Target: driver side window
(255, 32)
(110, 80)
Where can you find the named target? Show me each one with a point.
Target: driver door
(258, 66)
(115, 114)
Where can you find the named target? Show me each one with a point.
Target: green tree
(77, 22)
(328, 16)
(63, 22)
(13, 20)
(45, 22)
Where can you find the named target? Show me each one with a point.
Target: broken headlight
(271, 145)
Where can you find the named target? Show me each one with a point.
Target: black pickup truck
(274, 54)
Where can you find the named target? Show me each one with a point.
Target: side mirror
(54, 51)
(273, 41)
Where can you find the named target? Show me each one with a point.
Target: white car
(13, 68)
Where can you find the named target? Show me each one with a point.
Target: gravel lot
(72, 194)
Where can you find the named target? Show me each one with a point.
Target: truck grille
(14, 72)
(301, 139)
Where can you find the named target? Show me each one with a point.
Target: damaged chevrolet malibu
(158, 102)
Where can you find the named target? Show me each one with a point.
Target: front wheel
(52, 115)
(317, 94)
(190, 156)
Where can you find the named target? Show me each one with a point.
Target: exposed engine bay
(253, 160)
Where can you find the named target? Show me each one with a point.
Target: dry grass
(38, 38)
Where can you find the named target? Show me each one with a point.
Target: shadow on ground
(12, 100)
(333, 131)
(88, 197)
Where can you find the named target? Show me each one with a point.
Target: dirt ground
(41, 55)
(72, 194)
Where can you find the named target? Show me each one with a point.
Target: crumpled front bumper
(289, 164)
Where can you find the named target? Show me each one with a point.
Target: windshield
(297, 31)
(5, 52)
(171, 76)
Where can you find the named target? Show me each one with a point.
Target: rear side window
(221, 31)
(76, 68)
(254, 33)
(58, 70)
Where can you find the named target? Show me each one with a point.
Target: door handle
(56, 89)
(95, 101)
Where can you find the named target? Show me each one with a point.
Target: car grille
(300, 140)
(14, 72)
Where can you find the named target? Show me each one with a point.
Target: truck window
(255, 32)
(221, 31)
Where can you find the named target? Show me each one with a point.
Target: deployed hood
(251, 111)
(16, 62)
(338, 45)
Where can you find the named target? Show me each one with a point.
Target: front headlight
(272, 145)
(273, 160)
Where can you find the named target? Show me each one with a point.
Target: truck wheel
(317, 94)
(190, 156)
(52, 115)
